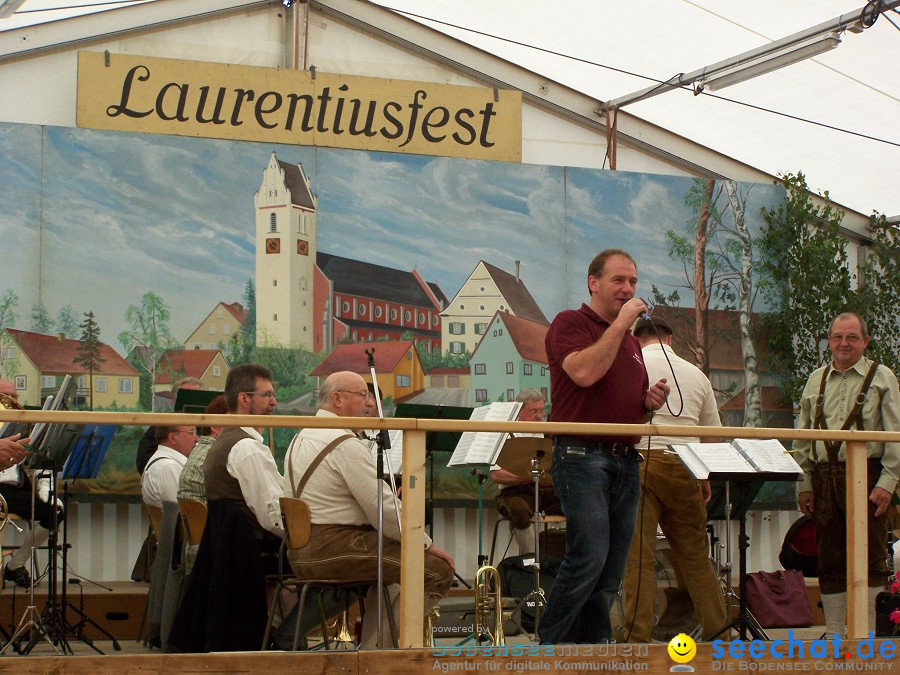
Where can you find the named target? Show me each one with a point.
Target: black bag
(517, 581)
(141, 569)
(799, 550)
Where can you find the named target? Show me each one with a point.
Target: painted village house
(487, 290)
(510, 357)
(397, 366)
(215, 331)
(41, 362)
(208, 365)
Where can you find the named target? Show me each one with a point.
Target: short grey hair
(528, 394)
(851, 315)
(329, 386)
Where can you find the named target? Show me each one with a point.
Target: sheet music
(395, 455)
(482, 447)
(720, 458)
(689, 459)
(768, 455)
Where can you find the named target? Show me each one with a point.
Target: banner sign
(124, 92)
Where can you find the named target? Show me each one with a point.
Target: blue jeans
(599, 494)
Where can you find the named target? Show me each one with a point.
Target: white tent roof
(854, 87)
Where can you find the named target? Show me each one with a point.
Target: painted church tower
(285, 256)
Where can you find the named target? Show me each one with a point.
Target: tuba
(488, 601)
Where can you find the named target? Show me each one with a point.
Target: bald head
(345, 394)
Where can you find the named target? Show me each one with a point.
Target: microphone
(645, 315)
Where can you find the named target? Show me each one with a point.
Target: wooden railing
(413, 513)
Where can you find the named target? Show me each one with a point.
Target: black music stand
(194, 400)
(745, 482)
(435, 441)
(84, 461)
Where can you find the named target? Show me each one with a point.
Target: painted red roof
(191, 362)
(353, 357)
(527, 336)
(52, 355)
(237, 309)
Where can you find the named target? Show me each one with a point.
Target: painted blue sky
(99, 218)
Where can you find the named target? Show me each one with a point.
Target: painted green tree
(88, 352)
(807, 277)
(149, 336)
(243, 341)
(40, 319)
(879, 291)
(8, 317)
(67, 321)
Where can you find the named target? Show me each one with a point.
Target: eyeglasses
(269, 395)
(366, 395)
(190, 432)
(853, 337)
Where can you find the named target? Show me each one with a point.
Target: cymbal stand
(32, 622)
(745, 621)
(536, 597)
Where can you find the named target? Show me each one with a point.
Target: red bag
(778, 599)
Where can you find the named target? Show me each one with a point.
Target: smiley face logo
(682, 648)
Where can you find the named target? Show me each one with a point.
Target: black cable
(643, 77)
(662, 345)
(639, 525)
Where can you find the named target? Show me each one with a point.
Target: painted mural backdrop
(95, 221)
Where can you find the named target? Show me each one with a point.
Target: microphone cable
(639, 524)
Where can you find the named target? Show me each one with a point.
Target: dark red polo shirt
(617, 397)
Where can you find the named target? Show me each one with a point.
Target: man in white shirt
(342, 495)
(225, 608)
(671, 497)
(159, 482)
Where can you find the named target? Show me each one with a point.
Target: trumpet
(488, 599)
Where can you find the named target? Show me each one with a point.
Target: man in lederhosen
(852, 392)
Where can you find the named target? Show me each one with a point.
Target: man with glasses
(148, 443)
(224, 607)
(516, 500)
(159, 483)
(342, 496)
(852, 392)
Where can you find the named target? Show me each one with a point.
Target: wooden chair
(297, 528)
(155, 514)
(193, 519)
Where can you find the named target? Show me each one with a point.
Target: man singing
(596, 375)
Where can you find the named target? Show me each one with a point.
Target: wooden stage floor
(520, 657)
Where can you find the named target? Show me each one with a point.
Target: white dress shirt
(250, 462)
(159, 483)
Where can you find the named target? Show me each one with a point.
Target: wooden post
(857, 542)
(412, 549)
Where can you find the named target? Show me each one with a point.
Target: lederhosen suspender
(855, 416)
(312, 467)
